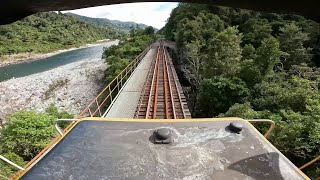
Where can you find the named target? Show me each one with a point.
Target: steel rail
(165, 77)
(170, 87)
(176, 86)
(152, 84)
(146, 83)
(155, 100)
(164, 95)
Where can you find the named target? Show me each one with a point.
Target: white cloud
(154, 14)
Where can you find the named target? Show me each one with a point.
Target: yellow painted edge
(47, 151)
(160, 120)
(150, 120)
(267, 141)
(122, 120)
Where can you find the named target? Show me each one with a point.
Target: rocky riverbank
(28, 57)
(70, 87)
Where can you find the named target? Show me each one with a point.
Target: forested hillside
(49, 31)
(253, 65)
(118, 57)
(120, 25)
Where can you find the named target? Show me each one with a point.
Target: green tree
(194, 58)
(291, 42)
(218, 94)
(248, 52)
(276, 93)
(268, 55)
(250, 72)
(149, 30)
(224, 54)
(53, 111)
(255, 30)
(184, 10)
(27, 133)
(194, 38)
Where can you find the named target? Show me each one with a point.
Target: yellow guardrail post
(272, 124)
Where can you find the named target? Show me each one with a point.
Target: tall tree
(255, 30)
(268, 55)
(224, 54)
(291, 42)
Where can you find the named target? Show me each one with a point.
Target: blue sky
(154, 14)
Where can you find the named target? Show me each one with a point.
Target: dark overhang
(13, 10)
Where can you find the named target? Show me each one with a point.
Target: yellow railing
(310, 162)
(101, 102)
(272, 124)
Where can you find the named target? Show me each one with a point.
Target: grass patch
(54, 86)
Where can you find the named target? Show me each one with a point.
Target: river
(28, 68)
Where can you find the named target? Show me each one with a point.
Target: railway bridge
(139, 127)
(148, 88)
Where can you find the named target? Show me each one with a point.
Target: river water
(27, 68)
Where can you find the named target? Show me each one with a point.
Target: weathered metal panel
(199, 150)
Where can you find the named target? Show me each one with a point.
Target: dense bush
(253, 65)
(5, 169)
(25, 134)
(218, 94)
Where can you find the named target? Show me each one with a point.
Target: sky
(153, 14)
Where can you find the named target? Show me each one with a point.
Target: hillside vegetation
(119, 25)
(253, 65)
(50, 31)
(118, 57)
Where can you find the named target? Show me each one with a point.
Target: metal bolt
(162, 133)
(235, 126)
(162, 136)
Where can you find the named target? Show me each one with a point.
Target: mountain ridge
(50, 31)
(120, 25)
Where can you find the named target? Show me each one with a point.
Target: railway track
(162, 97)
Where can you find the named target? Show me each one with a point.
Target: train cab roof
(223, 148)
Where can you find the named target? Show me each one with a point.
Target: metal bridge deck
(125, 104)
